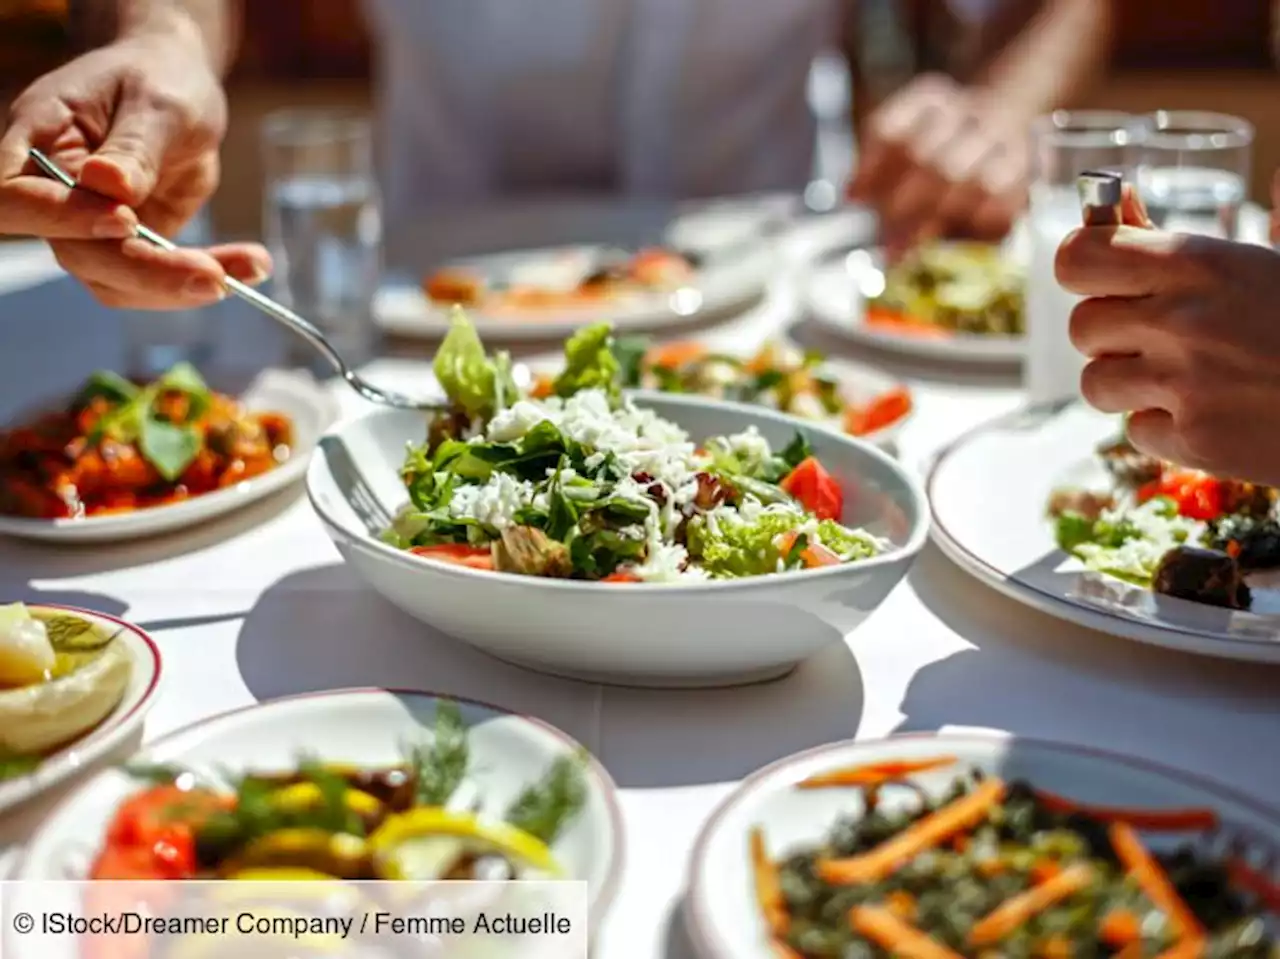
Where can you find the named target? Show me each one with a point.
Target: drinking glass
(323, 227)
(156, 340)
(1195, 172)
(1064, 145)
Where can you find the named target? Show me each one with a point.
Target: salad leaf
(183, 378)
(589, 362)
(630, 352)
(476, 384)
(797, 451)
(109, 385)
(545, 807)
(730, 549)
(168, 447)
(13, 765)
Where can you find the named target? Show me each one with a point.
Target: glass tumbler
(323, 227)
(1064, 145)
(1195, 172)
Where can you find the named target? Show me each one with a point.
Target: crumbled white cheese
(748, 445)
(667, 563)
(494, 503)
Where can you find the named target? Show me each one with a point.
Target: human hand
(1183, 332)
(1275, 209)
(138, 122)
(937, 159)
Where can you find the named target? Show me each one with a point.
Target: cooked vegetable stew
(1003, 869)
(409, 821)
(122, 446)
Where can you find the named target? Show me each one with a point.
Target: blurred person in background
(486, 98)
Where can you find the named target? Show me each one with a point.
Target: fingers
(147, 276)
(1155, 433)
(1116, 326)
(1128, 261)
(1133, 211)
(247, 262)
(1118, 384)
(36, 206)
(128, 164)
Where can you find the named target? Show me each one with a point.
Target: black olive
(1203, 576)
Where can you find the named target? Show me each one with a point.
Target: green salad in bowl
(584, 484)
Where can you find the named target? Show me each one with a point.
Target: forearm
(1050, 63)
(211, 26)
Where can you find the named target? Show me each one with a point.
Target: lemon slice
(337, 855)
(408, 847)
(281, 874)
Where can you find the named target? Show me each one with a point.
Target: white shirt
(662, 98)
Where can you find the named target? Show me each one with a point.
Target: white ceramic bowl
(112, 733)
(366, 727)
(720, 908)
(307, 403)
(706, 634)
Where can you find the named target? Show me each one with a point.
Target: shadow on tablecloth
(1031, 674)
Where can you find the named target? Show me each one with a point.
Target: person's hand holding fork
(1183, 333)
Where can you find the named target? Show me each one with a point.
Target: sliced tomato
(543, 386)
(817, 490)
(622, 577)
(1197, 495)
(813, 555)
(150, 816)
(885, 410)
(674, 356)
(457, 554)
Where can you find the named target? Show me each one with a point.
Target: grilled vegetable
(1203, 576)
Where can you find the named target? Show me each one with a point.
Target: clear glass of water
(156, 340)
(323, 227)
(1195, 172)
(1064, 145)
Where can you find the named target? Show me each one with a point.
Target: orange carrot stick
(1153, 820)
(768, 886)
(1016, 910)
(923, 834)
(1153, 881)
(874, 774)
(1120, 928)
(902, 939)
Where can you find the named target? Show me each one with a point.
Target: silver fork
(278, 312)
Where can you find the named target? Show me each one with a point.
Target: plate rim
(1001, 350)
(110, 732)
(696, 913)
(147, 520)
(612, 882)
(1205, 643)
(915, 540)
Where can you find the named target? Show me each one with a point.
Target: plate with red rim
(366, 728)
(720, 908)
(1007, 540)
(112, 732)
(717, 286)
(311, 409)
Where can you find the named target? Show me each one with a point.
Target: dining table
(260, 605)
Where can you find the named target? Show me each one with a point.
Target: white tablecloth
(260, 605)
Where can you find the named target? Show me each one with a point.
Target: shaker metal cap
(1101, 193)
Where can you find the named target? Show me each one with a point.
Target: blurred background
(1173, 54)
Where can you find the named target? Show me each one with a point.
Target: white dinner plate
(720, 909)
(723, 285)
(834, 296)
(858, 382)
(367, 728)
(989, 492)
(308, 405)
(114, 730)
